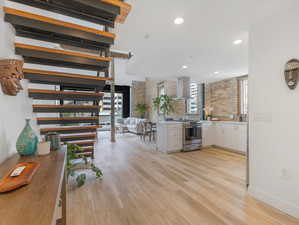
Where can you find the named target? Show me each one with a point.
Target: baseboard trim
(285, 207)
(229, 150)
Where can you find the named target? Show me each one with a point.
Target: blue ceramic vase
(27, 141)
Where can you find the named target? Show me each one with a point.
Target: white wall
(274, 112)
(13, 110)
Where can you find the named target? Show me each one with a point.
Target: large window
(243, 82)
(106, 107)
(193, 101)
(161, 89)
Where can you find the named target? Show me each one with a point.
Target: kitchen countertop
(169, 122)
(225, 122)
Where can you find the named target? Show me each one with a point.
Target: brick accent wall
(151, 92)
(145, 92)
(223, 98)
(138, 96)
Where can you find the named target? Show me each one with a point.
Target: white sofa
(134, 124)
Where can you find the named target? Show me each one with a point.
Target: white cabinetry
(231, 135)
(207, 134)
(170, 136)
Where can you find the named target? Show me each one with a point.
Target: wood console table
(36, 203)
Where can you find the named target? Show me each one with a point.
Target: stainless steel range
(192, 136)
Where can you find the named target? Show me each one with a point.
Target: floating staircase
(75, 105)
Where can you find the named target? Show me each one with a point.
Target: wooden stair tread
(86, 154)
(62, 52)
(78, 137)
(95, 11)
(68, 118)
(42, 94)
(61, 58)
(88, 149)
(67, 106)
(57, 22)
(125, 9)
(60, 74)
(63, 130)
(31, 90)
(66, 109)
(84, 143)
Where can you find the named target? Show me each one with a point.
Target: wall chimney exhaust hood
(183, 87)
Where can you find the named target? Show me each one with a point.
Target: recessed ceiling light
(184, 67)
(216, 72)
(179, 20)
(238, 42)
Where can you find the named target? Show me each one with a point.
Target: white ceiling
(204, 42)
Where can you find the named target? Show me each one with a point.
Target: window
(106, 107)
(193, 101)
(161, 89)
(243, 82)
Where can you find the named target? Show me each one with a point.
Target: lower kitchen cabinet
(231, 135)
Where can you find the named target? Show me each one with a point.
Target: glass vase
(27, 141)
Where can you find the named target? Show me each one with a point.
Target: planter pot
(43, 148)
(27, 141)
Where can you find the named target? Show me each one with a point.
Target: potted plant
(73, 165)
(141, 109)
(164, 105)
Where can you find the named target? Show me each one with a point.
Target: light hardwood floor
(144, 187)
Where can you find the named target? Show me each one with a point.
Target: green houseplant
(73, 163)
(141, 109)
(164, 104)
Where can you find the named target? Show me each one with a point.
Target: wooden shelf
(58, 78)
(41, 94)
(66, 120)
(95, 11)
(66, 109)
(70, 130)
(61, 58)
(43, 28)
(37, 202)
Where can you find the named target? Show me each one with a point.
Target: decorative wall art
(11, 73)
(292, 73)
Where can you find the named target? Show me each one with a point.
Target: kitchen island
(169, 136)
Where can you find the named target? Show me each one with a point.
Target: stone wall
(151, 92)
(138, 96)
(222, 98)
(145, 92)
